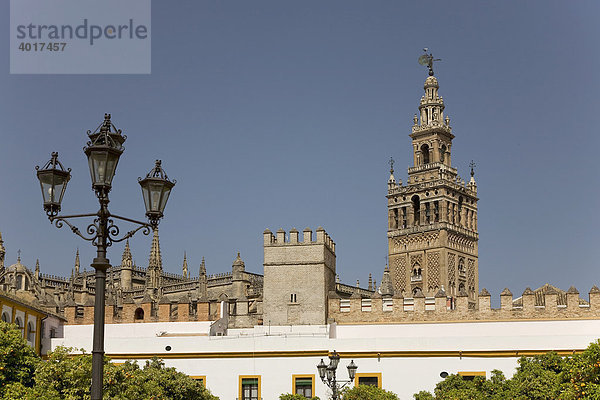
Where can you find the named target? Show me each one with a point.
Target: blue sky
(284, 114)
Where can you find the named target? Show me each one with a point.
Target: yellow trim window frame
(469, 375)
(368, 376)
(249, 387)
(303, 380)
(201, 378)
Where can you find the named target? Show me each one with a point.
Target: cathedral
(224, 325)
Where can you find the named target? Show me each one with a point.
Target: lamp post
(328, 374)
(103, 150)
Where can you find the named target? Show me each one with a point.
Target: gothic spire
(77, 263)
(386, 289)
(155, 257)
(126, 259)
(202, 268)
(37, 269)
(185, 266)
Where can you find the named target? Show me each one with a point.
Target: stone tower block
(298, 275)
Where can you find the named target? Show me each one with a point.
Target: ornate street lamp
(53, 181)
(103, 150)
(156, 188)
(327, 373)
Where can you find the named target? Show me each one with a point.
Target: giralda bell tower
(432, 220)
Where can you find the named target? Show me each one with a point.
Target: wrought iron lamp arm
(93, 229)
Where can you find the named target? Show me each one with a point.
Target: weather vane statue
(427, 60)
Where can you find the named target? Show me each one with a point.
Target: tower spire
(155, 256)
(126, 259)
(202, 268)
(434, 203)
(77, 262)
(185, 266)
(155, 263)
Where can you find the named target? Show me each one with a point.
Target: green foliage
(17, 359)
(547, 376)
(287, 396)
(65, 376)
(362, 392)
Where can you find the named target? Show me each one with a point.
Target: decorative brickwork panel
(471, 273)
(416, 259)
(451, 268)
(433, 269)
(400, 273)
(423, 239)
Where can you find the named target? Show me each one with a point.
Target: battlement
(281, 238)
(547, 305)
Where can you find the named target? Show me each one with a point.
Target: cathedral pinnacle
(37, 268)
(77, 263)
(202, 268)
(185, 266)
(126, 258)
(155, 257)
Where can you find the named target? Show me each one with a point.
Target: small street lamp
(103, 150)
(328, 374)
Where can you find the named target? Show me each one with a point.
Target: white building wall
(276, 353)
(8, 310)
(33, 320)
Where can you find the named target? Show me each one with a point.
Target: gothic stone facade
(432, 273)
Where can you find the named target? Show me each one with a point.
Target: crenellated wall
(377, 309)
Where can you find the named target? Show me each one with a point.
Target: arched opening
(26, 283)
(425, 153)
(139, 314)
(5, 317)
(19, 322)
(416, 203)
(460, 204)
(461, 287)
(19, 282)
(30, 332)
(416, 273)
(443, 153)
(416, 291)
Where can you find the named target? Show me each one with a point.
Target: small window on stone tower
(19, 282)
(293, 298)
(425, 153)
(443, 153)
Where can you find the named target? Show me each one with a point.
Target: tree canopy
(23, 375)
(362, 392)
(546, 376)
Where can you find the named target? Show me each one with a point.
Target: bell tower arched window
(425, 153)
(416, 203)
